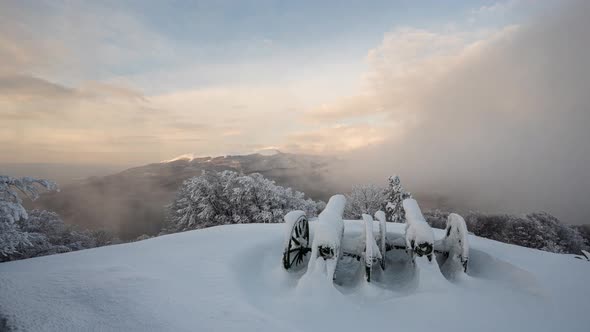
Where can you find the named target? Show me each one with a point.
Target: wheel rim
(298, 245)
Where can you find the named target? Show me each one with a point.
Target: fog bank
(497, 124)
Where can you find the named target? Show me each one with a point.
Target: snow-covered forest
(228, 197)
(38, 232)
(538, 230)
(220, 198)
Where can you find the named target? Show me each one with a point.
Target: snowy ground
(229, 278)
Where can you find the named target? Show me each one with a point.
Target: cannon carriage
(322, 246)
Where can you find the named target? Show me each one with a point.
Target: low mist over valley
(134, 202)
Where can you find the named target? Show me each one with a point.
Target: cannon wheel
(298, 244)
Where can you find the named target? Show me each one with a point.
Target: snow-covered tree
(538, 230)
(12, 211)
(364, 199)
(45, 232)
(395, 195)
(436, 218)
(142, 237)
(45, 222)
(529, 233)
(103, 237)
(48, 234)
(584, 232)
(558, 237)
(217, 198)
(490, 226)
(36, 233)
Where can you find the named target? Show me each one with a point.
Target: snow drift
(229, 278)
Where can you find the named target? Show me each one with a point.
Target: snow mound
(330, 227)
(334, 209)
(456, 242)
(417, 230)
(372, 251)
(328, 236)
(380, 216)
(229, 278)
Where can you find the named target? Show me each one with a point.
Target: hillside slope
(229, 278)
(132, 202)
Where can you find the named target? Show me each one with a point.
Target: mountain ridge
(132, 202)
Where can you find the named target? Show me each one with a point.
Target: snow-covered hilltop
(229, 278)
(192, 156)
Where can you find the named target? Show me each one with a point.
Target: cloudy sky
(478, 100)
(131, 82)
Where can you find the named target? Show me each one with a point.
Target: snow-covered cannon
(327, 240)
(455, 245)
(326, 246)
(325, 243)
(380, 216)
(420, 238)
(372, 254)
(419, 235)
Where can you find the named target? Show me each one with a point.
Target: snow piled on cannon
(372, 251)
(417, 229)
(380, 216)
(330, 225)
(456, 242)
(419, 235)
(455, 245)
(328, 235)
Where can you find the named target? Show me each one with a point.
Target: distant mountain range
(62, 173)
(132, 202)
